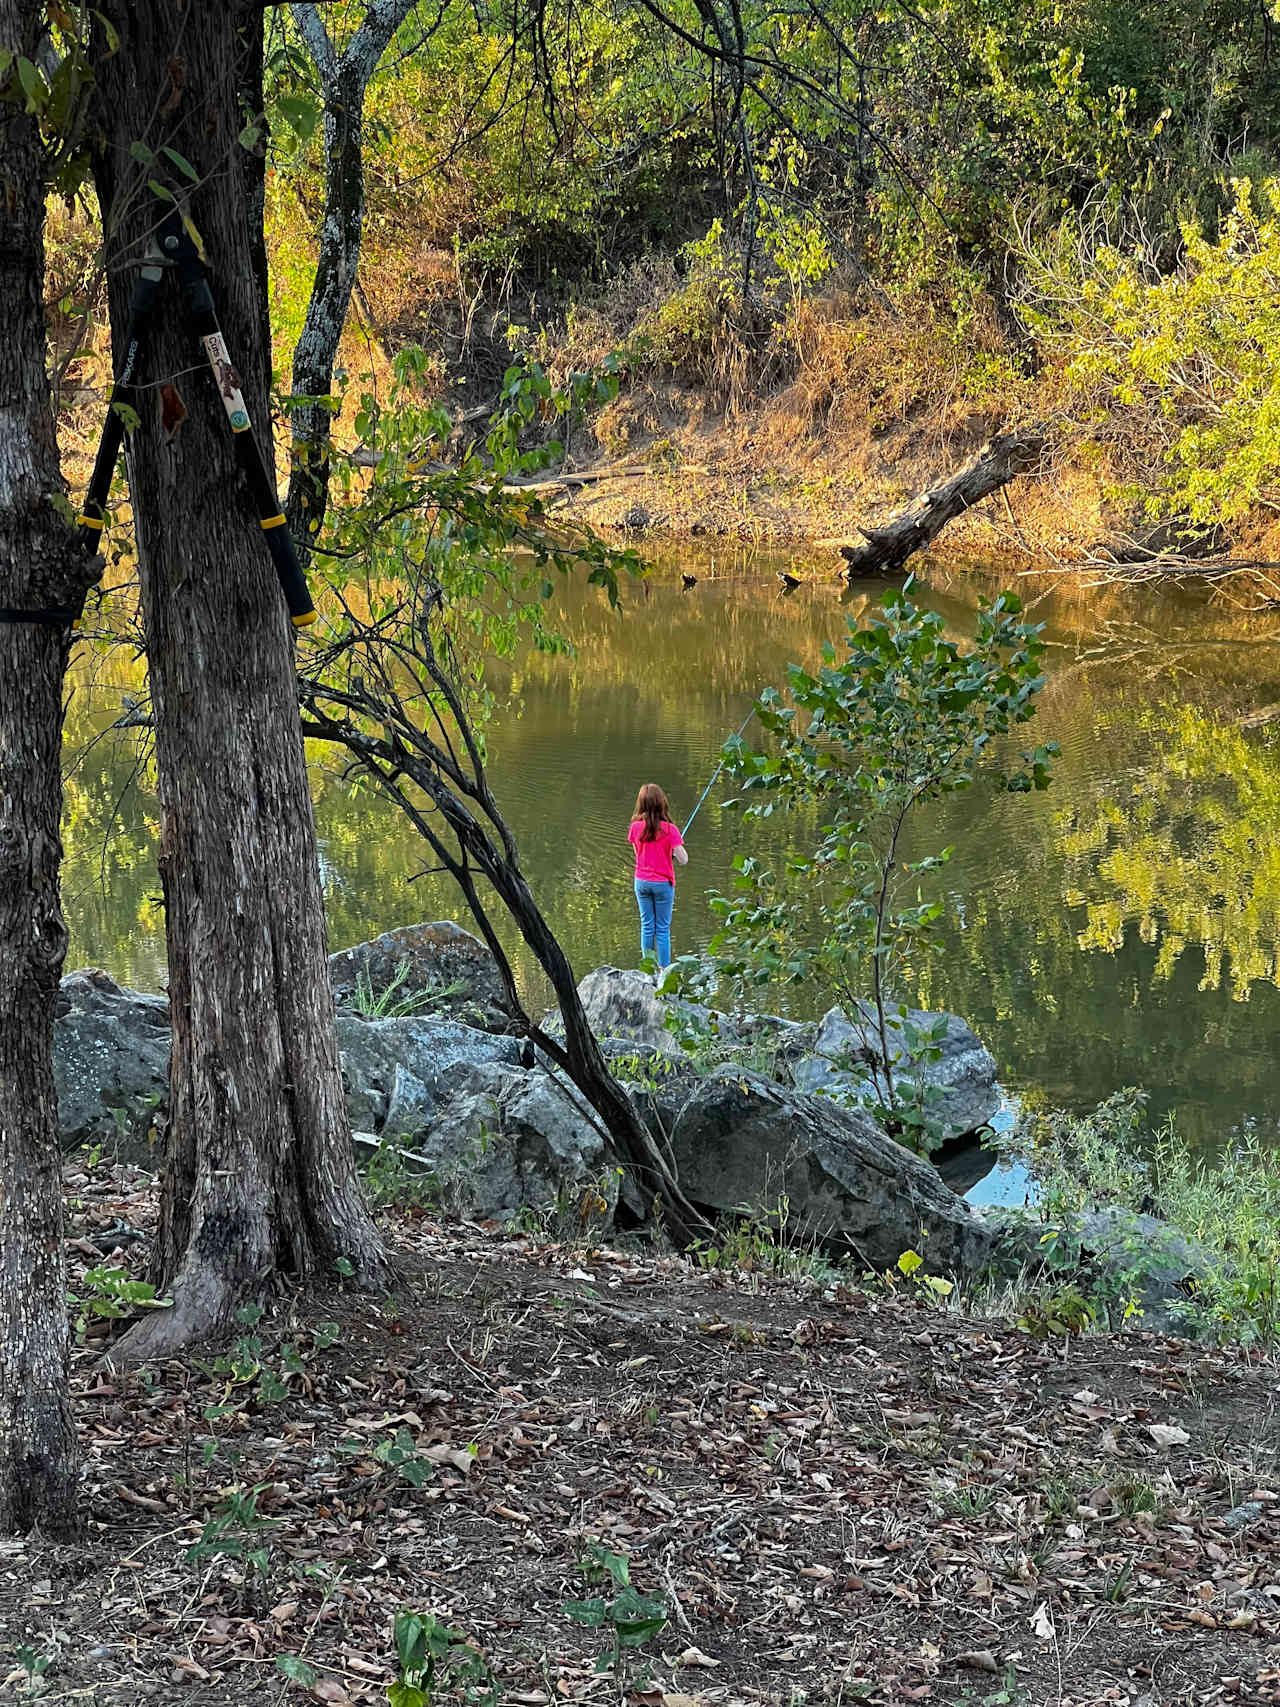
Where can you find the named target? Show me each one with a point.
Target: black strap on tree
(175, 247)
(54, 616)
(92, 519)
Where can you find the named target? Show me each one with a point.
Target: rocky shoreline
(440, 1087)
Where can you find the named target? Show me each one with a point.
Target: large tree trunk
(261, 1174)
(888, 547)
(41, 566)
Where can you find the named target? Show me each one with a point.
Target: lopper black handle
(293, 583)
(93, 515)
(275, 530)
(202, 317)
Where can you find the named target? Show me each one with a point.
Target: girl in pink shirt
(659, 849)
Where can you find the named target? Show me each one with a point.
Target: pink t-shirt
(653, 859)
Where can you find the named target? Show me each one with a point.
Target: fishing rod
(716, 772)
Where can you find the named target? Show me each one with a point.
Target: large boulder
(433, 968)
(623, 1006)
(110, 1065)
(964, 1074)
(399, 1073)
(743, 1143)
(508, 1140)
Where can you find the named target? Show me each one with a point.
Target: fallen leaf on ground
(330, 1690)
(1168, 1434)
(696, 1657)
(977, 1659)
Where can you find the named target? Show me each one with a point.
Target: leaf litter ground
(843, 1495)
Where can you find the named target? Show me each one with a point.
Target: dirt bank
(839, 1493)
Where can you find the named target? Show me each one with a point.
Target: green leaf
(159, 190)
(301, 113)
(33, 86)
(110, 34)
(411, 1639)
(591, 1613)
(618, 1565)
(297, 1670)
(632, 1633)
(182, 163)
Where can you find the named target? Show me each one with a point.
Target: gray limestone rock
(965, 1074)
(1147, 1256)
(399, 1073)
(1116, 1256)
(507, 1140)
(110, 1065)
(743, 1142)
(439, 967)
(621, 1004)
(1241, 1516)
(499, 1135)
(624, 1008)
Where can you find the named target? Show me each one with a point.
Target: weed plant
(1227, 1205)
(631, 1619)
(393, 1001)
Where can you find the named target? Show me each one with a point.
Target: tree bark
(890, 546)
(41, 565)
(260, 1170)
(343, 80)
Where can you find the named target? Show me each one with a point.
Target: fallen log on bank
(889, 547)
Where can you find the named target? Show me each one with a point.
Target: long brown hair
(651, 805)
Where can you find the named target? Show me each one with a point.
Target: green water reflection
(1123, 928)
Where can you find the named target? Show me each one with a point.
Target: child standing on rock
(659, 849)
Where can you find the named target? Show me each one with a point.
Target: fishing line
(715, 773)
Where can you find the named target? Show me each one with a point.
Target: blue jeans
(655, 901)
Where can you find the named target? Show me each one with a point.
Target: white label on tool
(228, 381)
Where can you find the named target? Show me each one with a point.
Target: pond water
(1122, 928)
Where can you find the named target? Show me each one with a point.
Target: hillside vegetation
(832, 248)
(836, 258)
